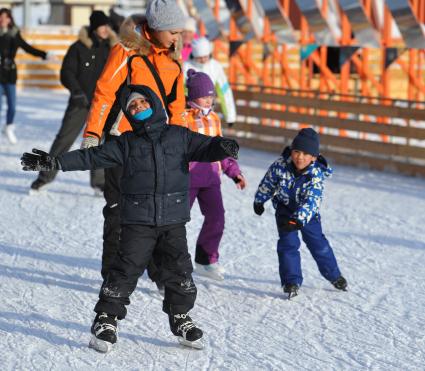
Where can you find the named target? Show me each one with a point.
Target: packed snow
(51, 244)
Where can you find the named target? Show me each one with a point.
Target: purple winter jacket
(204, 175)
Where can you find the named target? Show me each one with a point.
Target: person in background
(10, 41)
(295, 183)
(148, 54)
(116, 20)
(202, 61)
(189, 34)
(81, 68)
(205, 183)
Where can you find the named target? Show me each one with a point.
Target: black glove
(291, 225)
(79, 99)
(231, 147)
(258, 208)
(39, 161)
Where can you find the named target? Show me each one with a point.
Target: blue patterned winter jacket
(294, 195)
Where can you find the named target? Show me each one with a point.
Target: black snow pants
(137, 245)
(72, 124)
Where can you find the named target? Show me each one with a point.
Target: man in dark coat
(81, 68)
(154, 209)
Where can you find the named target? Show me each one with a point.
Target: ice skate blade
(201, 271)
(36, 192)
(99, 345)
(292, 295)
(197, 344)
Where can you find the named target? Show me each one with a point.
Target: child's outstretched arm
(231, 169)
(268, 185)
(108, 155)
(203, 148)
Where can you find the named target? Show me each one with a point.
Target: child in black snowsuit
(154, 209)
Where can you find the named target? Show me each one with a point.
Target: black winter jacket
(84, 62)
(155, 157)
(10, 41)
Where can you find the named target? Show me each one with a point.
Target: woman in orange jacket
(148, 54)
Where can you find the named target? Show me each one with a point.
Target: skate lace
(101, 327)
(185, 326)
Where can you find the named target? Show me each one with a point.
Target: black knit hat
(307, 140)
(97, 19)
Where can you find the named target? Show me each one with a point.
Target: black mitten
(39, 161)
(231, 147)
(258, 208)
(291, 225)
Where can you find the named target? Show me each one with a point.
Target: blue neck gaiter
(143, 115)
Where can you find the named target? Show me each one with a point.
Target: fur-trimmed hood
(135, 40)
(13, 31)
(84, 37)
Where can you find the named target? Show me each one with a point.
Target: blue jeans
(10, 91)
(289, 255)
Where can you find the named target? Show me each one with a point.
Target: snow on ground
(50, 248)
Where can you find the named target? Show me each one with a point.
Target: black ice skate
(291, 289)
(340, 283)
(104, 329)
(188, 333)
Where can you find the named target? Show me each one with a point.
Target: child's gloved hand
(240, 181)
(231, 147)
(39, 161)
(258, 208)
(291, 225)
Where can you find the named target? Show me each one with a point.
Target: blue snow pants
(289, 255)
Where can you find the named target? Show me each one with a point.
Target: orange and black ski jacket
(115, 73)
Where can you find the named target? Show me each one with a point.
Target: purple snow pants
(211, 205)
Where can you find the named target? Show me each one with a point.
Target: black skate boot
(104, 329)
(291, 289)
(188, 333)
(340, 283)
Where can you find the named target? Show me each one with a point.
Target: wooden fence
(382, 135)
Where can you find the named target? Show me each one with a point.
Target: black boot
(291, 289)
(189, 334)
(340, 283)
(104, 329)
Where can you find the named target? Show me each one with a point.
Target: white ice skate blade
(213, 274)
(99, 345)
(197, 344)
(36, 192)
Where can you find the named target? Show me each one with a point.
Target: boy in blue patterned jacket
(294, 182)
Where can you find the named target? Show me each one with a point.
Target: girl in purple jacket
(205, 183)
